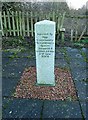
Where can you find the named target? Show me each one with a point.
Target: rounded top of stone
(45, 22)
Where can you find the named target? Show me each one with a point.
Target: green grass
(85, 41)
(84, 56)
(78, 44)
(81, 43)
(15, 50)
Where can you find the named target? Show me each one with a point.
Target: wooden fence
(20, 23)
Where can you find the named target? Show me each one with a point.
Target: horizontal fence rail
(18, 23)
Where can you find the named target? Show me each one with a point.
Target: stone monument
(45, 52)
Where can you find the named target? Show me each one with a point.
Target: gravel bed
(63, 90)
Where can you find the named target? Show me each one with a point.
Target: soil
(63, 90)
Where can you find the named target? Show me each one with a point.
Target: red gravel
(64, 88)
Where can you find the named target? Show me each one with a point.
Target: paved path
(12, 67)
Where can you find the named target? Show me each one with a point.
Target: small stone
(10, 112)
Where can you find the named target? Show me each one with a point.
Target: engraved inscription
(45, 44)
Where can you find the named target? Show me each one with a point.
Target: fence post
(48, 16)
(62, 31)
(31, 24)
(9, 22)
(20, 23)
(58, 23)
(62, 20)
(76, 27)
(5, 23)
(1, 24)
(71, 35)
(76, 33)
(53, 16)
(28, 24)
(23, 24)
(40, 17)
(13, 23)
(35, 17)
(17, 23)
